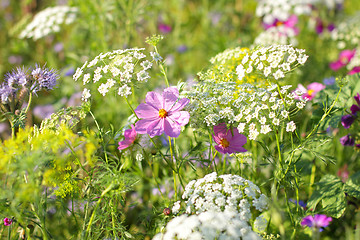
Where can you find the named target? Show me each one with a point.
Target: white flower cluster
(49, 21)
(272, 61)
(208, 225)
(277, 35)
(114, 69)
(347, 32)
(228, 54)
(224, 193)
(282, 9)
(253, 110)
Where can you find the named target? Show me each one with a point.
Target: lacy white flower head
(252, 110)
(209, 225)
(49, 21)
(116, 69)
(347, 32)
(276, 35)
(224, 193)
(272, 62)
(270, 10)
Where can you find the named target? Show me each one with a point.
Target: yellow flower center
(163, 113)
(310, 92)
(279, 23)
(224, 143)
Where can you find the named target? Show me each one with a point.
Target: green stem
(174, 172)
(162, 69)
(29, 103)
(132, 109)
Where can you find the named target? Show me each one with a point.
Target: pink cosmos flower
(344, 58)
(161, 114)
(311, 90)
(290, 23)
(7, 221)
(354, 70)
(130, 136)
(228, 140)
(318, 221)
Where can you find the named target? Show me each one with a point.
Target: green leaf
(331, 194)
(352, 186)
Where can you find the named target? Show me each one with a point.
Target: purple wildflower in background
(329, 81)
(162, 114)
(319, 221)
(7, 221)
(347, 140)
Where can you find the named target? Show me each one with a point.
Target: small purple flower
(347, 140)
(7, 221)
(347, 120)
(162, 114)
(318, 221)
(182, 48)
(329, 81)
(301, 203)
(228, 140)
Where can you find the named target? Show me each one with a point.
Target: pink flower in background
(7, 221)
(130, 136)
(344, 58)
(290, 23)
(228, 140)
(311, 90)
(354, 70)
(163, 28)
(318, 221)
(161, 113)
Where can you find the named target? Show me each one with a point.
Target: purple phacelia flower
(44, 78)
(16, 78)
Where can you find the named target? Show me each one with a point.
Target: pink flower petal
(292, 21)
(155, 100)
(220, 130)
(170, 96)
(179, 105)
(316, 87)
(354, 70)
(156, 127)
(220, 149)
(336, 65)
(145, 110)
(181, 117)
(142, 125)
(172, 129)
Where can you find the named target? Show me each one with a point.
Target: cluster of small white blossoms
(252, 110)
(282, 9)
(277, 35)
(114, 69)
(209, 225)
(272, 61)
(224, 193)
(223, 57)
(49, 21)
(347, 32)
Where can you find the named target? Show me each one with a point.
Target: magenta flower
(354, 70)
(161, 114)
(163, 28)
(228, 140)
(311, 90)
(130, 136)
(7, 221)
(347, 140)
(290, 23)
(344, 58)
(318, 221)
